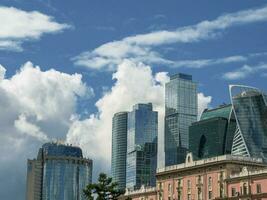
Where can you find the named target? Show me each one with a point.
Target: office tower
(59, 172)
(213, 134)
(180, 113)
(250, 110)
(119, 148)
(142, 137)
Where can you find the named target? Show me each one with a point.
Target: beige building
(34, 179)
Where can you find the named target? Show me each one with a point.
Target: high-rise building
(141, 146)
(59, 172)
(250, 110)
(213, 134)
(180, 113)
(119, 148)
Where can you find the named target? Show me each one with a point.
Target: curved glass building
(250, 110)
(119, 148)
(213, 134)
(59, 172)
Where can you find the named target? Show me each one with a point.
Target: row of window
(244, 190)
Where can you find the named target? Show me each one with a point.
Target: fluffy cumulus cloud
(135, 83)
(36, 106)
(17, 26)
(142, 47)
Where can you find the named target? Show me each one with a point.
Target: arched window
(245, 189)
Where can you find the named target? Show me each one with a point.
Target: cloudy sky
(67, 67)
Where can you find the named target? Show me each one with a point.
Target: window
(221, 190)
(210, 194)
(189, 197)
(179, 183)
(169, 187)
(188, 184)
(199, 193)
(210, 182)
(245, 189)
(258, 188)
(233, 191)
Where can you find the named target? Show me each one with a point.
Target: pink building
(212, 178)
(247, 185)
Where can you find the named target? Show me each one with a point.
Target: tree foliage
(105, 189)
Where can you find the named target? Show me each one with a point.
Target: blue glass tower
(250, 110)
(142, 139)
(119, 148)
(59, 173)
(180, 113)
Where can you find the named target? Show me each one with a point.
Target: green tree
(105, 189)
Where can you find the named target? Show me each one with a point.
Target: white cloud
(35, 106)
(39, 105)
(25, 127)
(203, 103)
(17, 26)
(2, 72)
(244, 72)
(208, 62)
(135, 83)
(142, 47)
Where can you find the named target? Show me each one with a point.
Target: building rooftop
(221, 111)
(210, 161)
(58, 149)
(147, 106)
(142, 190)
(181, 76)
(245, 172)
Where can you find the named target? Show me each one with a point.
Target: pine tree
(105, 189)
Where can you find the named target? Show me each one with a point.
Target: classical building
(119, 148)
(213, 134)
(59, 172)
(250, 110)
(211, 178)
(180, 113)
(202, 179)
(142, 139)
(247, 185)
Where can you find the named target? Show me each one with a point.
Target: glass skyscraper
(142, 136)
(59, 173)
(213, 134)
(250, 110)
(180, 113)
(119, 148)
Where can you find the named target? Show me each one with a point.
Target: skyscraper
(180, 113)
(59, 172)
(250, 110)
(142, 136)
(119, 148)
(213, 134)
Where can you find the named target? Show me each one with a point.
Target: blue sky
(218, 42)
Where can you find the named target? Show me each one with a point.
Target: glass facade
(213, 134)
(64, 172)
(119, 148)
(142, 136)
(250, 110)
(180, 113)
